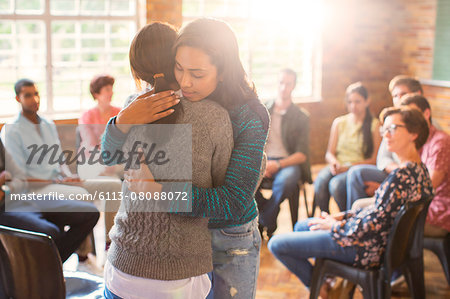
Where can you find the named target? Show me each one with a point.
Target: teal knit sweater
(232, 203)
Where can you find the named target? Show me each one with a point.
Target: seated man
(435, 154)
(363, 180)
(287, 152)
(50, 221)
(34, 143)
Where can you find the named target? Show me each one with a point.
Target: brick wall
(417, 35)
(358, 45)
(165, 11)
(439, 98)
(365, 40)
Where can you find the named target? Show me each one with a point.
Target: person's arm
(18, 182)
(144, 109)
(389, 200)
(236, 196)
(385, 159)
(438, 161)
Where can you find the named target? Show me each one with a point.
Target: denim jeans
(294, 249)
(236, 261)
(284, 183)
(356, 177)
(326, 185)
(110, 295)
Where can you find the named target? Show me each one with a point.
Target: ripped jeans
(236, 261)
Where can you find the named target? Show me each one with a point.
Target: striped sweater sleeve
(234, 200)
(112, 141)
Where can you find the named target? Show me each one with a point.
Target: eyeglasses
(391, 129)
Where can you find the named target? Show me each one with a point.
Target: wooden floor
(276, 282)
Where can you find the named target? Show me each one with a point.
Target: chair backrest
(31, 265)
(406, 235)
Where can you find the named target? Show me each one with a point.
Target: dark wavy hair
(366, 127)
(420, 101)
(414, 122)
(218, 41)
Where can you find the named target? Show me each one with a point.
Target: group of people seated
(370, 181)
(170, 253)
(27, 145)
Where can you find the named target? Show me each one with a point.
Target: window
(61, 45)
(272, 35)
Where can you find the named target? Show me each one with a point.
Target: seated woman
(354, 139)
(359, 237)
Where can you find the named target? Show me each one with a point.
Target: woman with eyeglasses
(359, 237)
(354, 139)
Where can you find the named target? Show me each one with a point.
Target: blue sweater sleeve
(234, 200)
(112, 141)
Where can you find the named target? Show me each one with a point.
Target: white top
(274, 146)
(132, 287)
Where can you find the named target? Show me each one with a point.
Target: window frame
(47, 18)
(316, 59)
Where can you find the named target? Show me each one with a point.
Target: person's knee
(287, 177)
(275, 244)
(353, 174)
(336, 185)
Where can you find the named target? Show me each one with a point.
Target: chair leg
(317, 280)
(313, 207)
(293, 206)
(415, 277)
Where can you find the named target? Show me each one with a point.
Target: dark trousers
(284, 184)
(79, 224)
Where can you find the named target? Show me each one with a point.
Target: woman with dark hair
(359, 237)
(354, 139)
(206, 47)
(154, 253)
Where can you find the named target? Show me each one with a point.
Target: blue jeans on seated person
(236, 261)
(326, 185)
(294, 249)
(356, 177)
(284, 184)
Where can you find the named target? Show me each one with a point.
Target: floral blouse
(368, 229)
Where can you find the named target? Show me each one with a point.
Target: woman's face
(195, 73)
(397, 136)
(105, 94)
(356, 104)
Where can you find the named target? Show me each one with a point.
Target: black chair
(404, 251)
(440, 247)
(31, 268)
(293, 200)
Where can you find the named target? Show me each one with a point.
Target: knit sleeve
(235, 197)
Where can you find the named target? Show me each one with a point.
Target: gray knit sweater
(167, 246)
